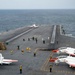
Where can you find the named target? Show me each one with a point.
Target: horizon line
(41, 9)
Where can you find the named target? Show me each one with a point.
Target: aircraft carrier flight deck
(38, 65)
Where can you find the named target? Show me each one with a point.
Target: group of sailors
(28, 49)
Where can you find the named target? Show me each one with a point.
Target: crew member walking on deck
(33, 38)
(50, 57)
(57, 42)
(34, 54)
(28, 39)
(18, 47)
(36, 40)
(20, 69)
(11, 52)
(43, 41)
(23, 39)
(50, 68)
(22, 51)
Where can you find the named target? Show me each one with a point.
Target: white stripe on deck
(53, 35)
(18, 36)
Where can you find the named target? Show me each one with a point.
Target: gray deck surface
(38, 65)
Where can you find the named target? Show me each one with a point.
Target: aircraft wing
(71, 53)
(70, 61)
(8, 61)
(71, 64)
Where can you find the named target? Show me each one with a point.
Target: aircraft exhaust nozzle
(54, 51)
(53, 59)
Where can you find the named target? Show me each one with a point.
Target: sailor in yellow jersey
(20, 69)
(22, 51)
(11, 52)
(50, 57)
(28, 49)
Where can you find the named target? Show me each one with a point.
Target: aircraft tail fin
(1, 58)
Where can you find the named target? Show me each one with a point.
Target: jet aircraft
(67, 59)
(67, 50)
(6, 61)
(34, 25)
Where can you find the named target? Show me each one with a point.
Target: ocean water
(12, 19)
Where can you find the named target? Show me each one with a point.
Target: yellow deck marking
(45, 64)
(66, 72)
(43, 68)
(36, 49)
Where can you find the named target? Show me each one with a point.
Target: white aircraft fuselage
(67, 50)
(67, 59)
(6, 61)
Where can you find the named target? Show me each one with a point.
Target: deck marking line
(45, 63)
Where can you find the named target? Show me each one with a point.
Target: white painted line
(18, 35)
(53, 35)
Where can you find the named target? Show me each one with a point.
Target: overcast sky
(37, 4)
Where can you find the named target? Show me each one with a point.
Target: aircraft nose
(53, 59)
(54, 51)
